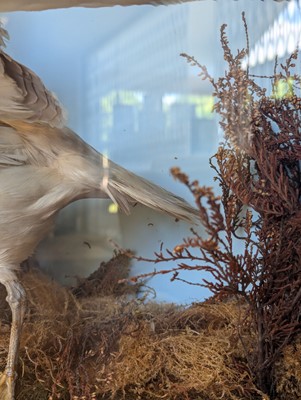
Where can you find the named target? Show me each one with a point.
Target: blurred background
(126, 90)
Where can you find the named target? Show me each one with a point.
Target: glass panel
(127, 92)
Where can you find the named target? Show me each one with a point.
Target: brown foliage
(106, 279)
(288, 373)
(258, 170)
(100, 347)
(194, 356)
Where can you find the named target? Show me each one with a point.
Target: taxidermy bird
(44, 166)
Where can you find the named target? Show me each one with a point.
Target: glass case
(128, 92)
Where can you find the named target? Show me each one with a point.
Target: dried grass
(195, 357)
(103, 347)
(288, 372)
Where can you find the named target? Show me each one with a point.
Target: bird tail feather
(125, 188)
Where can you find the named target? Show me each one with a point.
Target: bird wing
(23, 98)
(12, 150)
(29, 5)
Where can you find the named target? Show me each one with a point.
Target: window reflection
(130, 94)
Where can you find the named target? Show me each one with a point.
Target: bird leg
(16, 299)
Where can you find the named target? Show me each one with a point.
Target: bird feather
(24, 96)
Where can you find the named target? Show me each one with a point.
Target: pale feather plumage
(32, 135)
(43, 167)
(24, 97)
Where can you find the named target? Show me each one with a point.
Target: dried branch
(258, 170)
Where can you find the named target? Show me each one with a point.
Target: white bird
(31, 5)
(43, 167)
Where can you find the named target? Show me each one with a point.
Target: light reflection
(271, 53)
(113, 208)
(281, 50)
(261, 54)
(291, 9)
(291, 43)
(282, 38)
(253, 57)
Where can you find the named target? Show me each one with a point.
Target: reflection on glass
(130, 94)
